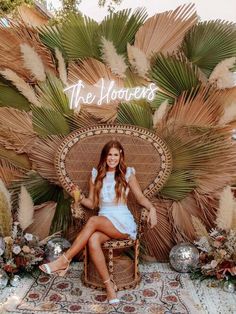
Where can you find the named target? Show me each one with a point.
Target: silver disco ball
(184, 257)
(56, 247)
(3, 279)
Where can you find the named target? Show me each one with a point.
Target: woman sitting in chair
(109, 187)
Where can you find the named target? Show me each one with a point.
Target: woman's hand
(152, 217)
(77, 194)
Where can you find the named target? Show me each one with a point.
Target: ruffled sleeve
(94, 174)
(129, 172)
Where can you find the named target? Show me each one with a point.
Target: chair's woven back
(79, 152)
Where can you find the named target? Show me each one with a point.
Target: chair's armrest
(142, 221)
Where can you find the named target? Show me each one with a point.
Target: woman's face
(113, 159)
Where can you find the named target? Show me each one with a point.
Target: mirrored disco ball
(3, 279)
(229, 287)
(55, 247)
(184, 257)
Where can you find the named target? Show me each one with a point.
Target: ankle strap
(107, 280)
(68, 261)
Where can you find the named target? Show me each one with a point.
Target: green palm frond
(51, 95)
(174, 75)
(49, 122)
(79, 37)
(121, 27)
(160, 98)
(210, 42)
(179, 185)
(135, 113)
(81, 120)
(39, 188)
(51, 36)
(20, 161)
(62, 219)
(12, 98)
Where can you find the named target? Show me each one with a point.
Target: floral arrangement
(218, 247)
(20, 251)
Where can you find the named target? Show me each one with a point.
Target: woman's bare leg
(98, 258)
(95, 223)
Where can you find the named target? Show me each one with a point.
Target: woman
(109, 187)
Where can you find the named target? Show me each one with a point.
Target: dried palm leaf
(165, 31)
(202, 108)
(43, 155)
(159, 240)
(43, 215)
(90, 71)
(9, 172)
(81, 119)
(102, 114)
(199, 227)
(18, 160)
(226, 209)
(26, 209)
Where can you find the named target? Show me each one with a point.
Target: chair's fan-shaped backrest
(80, 151)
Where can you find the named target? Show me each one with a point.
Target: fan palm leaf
(209, 43)
(79, 37)
(135, 113)
(10, 97)
(80, 120)
(174, 75)
(120, 27)
(51, 95)
(51, 37)
(18, 160)
(42, 156)
(9, 172)
(165, 31)
(47, 121)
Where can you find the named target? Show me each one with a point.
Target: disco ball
(3, 279)
(55, 248)
(229, 287)
(184, 257)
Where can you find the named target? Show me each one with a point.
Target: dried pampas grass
(61, 66)
(26, 209)
(5, 211)
(25, 89)
(160, 113)
(199, 227)
(229, 114)
(222, 76)
(138, 60)
(112, 59)
(224, 216)
(33, 62)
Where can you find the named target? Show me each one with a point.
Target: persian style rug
(162, 291)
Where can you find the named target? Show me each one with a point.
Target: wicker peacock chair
(79, 152)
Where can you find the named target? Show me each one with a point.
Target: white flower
(16, 249)
(28, 236)
(203, 244)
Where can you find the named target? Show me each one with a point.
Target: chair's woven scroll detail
(148, 154)
(144, 151)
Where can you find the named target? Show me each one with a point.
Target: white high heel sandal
(59, 272)
(116, 300)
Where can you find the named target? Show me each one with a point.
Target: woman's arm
(88, 201)
(142, 200)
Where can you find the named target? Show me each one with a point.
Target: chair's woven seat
(79, 152)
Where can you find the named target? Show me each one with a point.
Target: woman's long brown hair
(120, 172)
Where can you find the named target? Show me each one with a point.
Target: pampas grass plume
(222, 75)
(61, 66)
(26, 209)
(33, 62)
(112, 59)
(224, 216)
(5, 211)
(199, 227)
(160, 112)
(229, 114)
(138, 60)
(21, 85)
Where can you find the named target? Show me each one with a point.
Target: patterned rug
(161, 291)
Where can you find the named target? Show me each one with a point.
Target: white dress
(118, 213)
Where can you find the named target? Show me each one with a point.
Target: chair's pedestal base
(125, 274)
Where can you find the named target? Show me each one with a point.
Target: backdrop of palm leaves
(193, 114)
